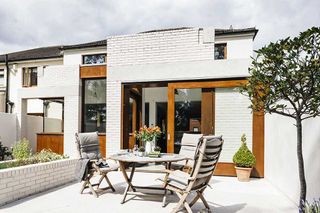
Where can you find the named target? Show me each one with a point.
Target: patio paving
(227, 195)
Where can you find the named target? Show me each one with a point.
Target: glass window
(30, 76)
(1, 77)
(220, 51)
(94, 59)
(187, 114)
(94, 113)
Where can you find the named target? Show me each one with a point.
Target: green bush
(310, 207)
(46, 155)
(41, 157)
(5, 153)
(21, 149)
(244, 157)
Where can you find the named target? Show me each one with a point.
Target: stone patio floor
(226, 195)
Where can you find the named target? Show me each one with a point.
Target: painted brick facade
(16, 183)
(113, 116)
(232, 119)
(159, 47)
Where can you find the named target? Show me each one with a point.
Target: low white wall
(8, 132)
(23, 181)
(281, 165)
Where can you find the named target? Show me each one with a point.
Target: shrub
(5, 153)
(46, 155)
(41, 157)
(21, 149)
(310, 208)
(244, 157)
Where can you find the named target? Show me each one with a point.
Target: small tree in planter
(244, 160)
(285, 80)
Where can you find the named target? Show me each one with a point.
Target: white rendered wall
(232, 119)
(34, 125)
(7, 128)
(16, 77)
(73, 57)
(281, 165)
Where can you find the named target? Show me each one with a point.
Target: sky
(26, 24)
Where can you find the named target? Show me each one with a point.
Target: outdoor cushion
(178, 179)
(89, 145)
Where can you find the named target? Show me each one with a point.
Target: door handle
(168, 136)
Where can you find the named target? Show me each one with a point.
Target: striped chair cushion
(89, 145)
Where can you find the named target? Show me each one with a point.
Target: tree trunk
(303, 184)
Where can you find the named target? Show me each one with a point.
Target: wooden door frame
(257, 124)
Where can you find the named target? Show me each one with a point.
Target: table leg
(128, 180)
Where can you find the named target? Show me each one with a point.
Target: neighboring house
(184, 80)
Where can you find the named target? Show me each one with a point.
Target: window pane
(1, 76)
(94, 59)
(187, 114)
(94, 118)
(34, 76)
(219, 51)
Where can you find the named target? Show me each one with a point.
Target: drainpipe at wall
(7, 83)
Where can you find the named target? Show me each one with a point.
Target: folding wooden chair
(182, 183)
(89, 148)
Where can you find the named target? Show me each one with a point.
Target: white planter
(22, 181)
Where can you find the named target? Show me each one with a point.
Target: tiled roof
(37, 53)
(217, 31)
(99, 43)
(48, 52)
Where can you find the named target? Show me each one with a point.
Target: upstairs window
(94, 59)
(1, 77)
(220, 51)
(30, 77)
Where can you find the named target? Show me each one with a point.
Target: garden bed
(22, 181)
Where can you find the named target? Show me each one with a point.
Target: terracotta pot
(243, 174)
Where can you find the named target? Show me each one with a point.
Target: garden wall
(281, 163)
(8, 127)
(19, 182)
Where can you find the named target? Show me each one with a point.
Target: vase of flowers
(148, 135)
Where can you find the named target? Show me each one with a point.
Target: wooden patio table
(133, 160)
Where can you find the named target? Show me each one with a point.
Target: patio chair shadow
(30, 197)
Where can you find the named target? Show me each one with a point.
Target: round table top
(164, 157)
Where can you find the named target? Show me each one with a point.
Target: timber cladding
(54, 141)
(93, 71)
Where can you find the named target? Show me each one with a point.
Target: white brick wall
(233, 118)
(159, 47)
(113, 133)
(19, 182)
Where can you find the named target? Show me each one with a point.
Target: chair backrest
(189, 143)
(206, 159)
(88, 145)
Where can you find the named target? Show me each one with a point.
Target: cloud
(34, 23)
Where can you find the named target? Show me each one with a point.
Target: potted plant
(244, 160)
(148, 136)
(141, 151)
